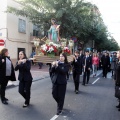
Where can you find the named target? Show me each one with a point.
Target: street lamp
(36, 44)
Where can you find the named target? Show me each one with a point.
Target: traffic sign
(74, 39)
(2, 42)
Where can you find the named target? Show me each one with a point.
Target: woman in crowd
(117, 76)
(25, 77)
(77, 65)
(95, 64)
(113, 63)
(59, 71)
(6, 73)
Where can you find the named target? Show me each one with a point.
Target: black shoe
(118, 106)
(6, 99)
(119, 109)
(5, 102)
(25, 105)
(87, 82)
(76, 92)
(59, 112)
(83, 84)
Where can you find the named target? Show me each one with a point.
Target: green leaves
(60, 13)
(76, 18)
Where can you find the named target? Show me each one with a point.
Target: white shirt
(8, 67)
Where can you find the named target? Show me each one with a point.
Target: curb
(34, 80)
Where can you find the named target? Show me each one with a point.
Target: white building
(15, 31)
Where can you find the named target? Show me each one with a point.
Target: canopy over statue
(53, 32)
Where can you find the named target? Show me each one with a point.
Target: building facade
(16, 31)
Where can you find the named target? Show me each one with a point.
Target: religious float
(51, 46)
(48, 51)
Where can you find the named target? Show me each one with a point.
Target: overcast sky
(111, 15)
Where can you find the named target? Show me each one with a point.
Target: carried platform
(47, 59)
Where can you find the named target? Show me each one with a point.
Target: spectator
(6, 73)
(113, 63)
(105, 60)
(117, 76)
(32, 55)
(95, 64)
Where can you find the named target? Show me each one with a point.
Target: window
(20, 49)
(35, 30)
(35, 33)
(22, 26)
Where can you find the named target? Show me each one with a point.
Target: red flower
(43, 51)
(47, 47)
(55, 49)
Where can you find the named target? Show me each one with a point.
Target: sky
(109, 10)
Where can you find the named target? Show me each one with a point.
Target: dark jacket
(117, 74)
(105, 60)
(87, 62)
(81, 56)
(24, 71)
(59, 73)
(3, 70)
(77, 65)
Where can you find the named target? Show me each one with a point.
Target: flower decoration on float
(50, 48)
(71, 43)
(66, 50)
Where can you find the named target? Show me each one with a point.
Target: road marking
(95, 81)
(99, 72)
(54, 117)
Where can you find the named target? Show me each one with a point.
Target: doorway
(20, 49)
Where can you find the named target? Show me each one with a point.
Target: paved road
(95, 102)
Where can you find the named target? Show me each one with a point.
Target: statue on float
(53, 32)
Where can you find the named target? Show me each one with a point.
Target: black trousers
(67, 75)
(3, 88)
(25, 90)
(76, 77)
(58, 93)
(105, 70)
(100, 65)
(86, 74)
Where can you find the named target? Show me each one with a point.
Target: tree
(76, 17)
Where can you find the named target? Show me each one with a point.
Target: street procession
(58, 61)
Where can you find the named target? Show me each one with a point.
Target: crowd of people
(83, 63)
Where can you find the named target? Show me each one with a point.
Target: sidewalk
(37, 74)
